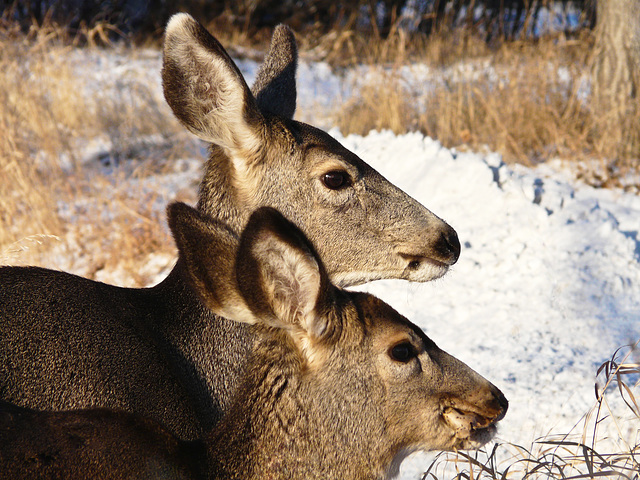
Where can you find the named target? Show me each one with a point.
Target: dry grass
(47, 189)
(28, 117)
(604, 444)
(345, 46)
(529, 102)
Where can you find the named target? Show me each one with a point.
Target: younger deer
(338, 385)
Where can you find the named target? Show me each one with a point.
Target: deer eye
(336, 179)
(402, 352)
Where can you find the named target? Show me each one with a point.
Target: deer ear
(207, 249)
(275, 85)
(206, 91)
(281, 278)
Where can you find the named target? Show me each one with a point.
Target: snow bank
(546, 286)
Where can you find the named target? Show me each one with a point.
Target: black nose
(449, 245)
(504, 405)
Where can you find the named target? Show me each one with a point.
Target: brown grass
(527, 111)
(46, 116)
(29, 111)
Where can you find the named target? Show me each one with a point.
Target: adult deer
(338, 385)
(69, 342)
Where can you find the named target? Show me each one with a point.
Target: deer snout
(489, 402)
(444, 251)
(502, 404)
(474, 419)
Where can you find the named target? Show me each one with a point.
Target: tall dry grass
(528, 101)
(48, 189)
(29, 118)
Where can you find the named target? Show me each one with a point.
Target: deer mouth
(471, 430)
(420, 268)
(415, 261)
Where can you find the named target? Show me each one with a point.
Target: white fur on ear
(206, 90)
(292, 283)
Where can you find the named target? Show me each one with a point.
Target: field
(546, 288)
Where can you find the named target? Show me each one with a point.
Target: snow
(545, 289)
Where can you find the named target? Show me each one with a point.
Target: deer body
(338, 385)
(68, 342)
(159, 355)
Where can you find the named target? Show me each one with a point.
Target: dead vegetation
(529, 102)
(47, 189)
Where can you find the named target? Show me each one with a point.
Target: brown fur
(322, 397)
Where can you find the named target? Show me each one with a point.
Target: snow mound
(545, 288)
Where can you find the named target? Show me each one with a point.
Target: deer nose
(496, 405)
(504, 405)
(449, 246)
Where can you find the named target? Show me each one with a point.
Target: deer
(338, 385)
(68, 342)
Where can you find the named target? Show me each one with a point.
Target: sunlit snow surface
(547, 285)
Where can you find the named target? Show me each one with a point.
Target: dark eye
(336, 179)
(402, 352)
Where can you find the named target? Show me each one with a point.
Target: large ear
(275, 85)
(206, 91)
(207, 249)
(281, 278)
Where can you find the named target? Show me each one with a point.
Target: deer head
(339, 384)
(364, 227)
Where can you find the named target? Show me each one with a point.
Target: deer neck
(277, 430)
(192, 335)
(218, 196)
